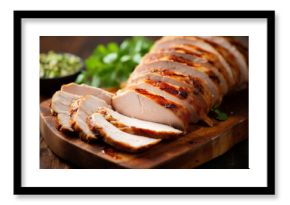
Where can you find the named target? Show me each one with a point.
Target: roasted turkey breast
(177, 83)
(183, 78)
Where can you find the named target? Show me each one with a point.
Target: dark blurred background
(84, 45)
(79, 45)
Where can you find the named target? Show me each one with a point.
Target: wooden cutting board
(200, 145)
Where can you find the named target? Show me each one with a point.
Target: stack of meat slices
(176, 84)
(182, 78)
(87, 110)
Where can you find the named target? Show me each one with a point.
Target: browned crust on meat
(179, 59)
(180, 110)
(53, 113)
(171, 57)
(87, 138)
(73, 111)
(198, 52)
(60, 127)
(83, 136)
(118, 145)
(199, 88)
(241, 48)
(197, 101)
(136, 130)
(228, 56)
(178, 92)
(176, 76)
(146, 132)
(159, 99)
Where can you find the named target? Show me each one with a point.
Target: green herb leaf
(110, 58)
(113, 47)
(111, 64)
(80, 79)
(219, 115)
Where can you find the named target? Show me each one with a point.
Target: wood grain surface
(199, 146)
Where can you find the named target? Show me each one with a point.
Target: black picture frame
(270, 18)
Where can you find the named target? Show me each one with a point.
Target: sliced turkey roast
(241, 60)
(86, 106)
(117, 138)
(83, 90)
(178, 82)
(197, 45)
(206, 67)
(136, 126)
(144, 105)
(60, 106)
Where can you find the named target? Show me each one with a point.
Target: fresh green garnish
(57, 65)
(219, 115)
(110, 65)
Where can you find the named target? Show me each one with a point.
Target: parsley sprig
(218, 114)
(110, 65)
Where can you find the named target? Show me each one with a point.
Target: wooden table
(236, 158)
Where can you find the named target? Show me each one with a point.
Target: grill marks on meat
(195, 104)
(197, 45)
(138, 127)
(180, 110)
(159, 99)
(191, 85)
(179, 92)
(194, 72)
(230, 59)
(143, 69)
(233, 54)
(117, 138)
(144, 108)
(206, 56)
(92, 118)
(241, 48)
(191, 61)
(175, 84)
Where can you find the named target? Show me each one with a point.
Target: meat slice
(231, 51)
(139, 127)
(194, 85)
(117, 138)
(166, 76)
(192, 61)
(60, 106)
(196, 44)
(81, 110)
(206, 56)
(167, 91)
(194, 104)
(143, 105)
(242, 45)
(159, 66)
(88, 90)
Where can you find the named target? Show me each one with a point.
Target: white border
(255, 176)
